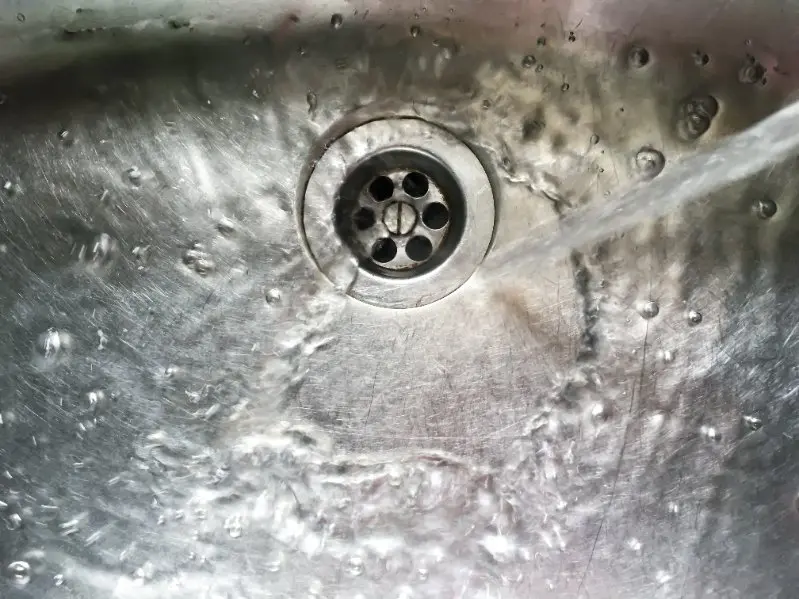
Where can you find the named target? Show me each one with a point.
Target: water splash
(692, 179)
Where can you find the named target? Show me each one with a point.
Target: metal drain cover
(410, 201)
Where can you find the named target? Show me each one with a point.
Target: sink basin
(255, 343)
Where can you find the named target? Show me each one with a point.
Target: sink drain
(410, 201)
(401, 212)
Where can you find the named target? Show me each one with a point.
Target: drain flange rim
(408, 134)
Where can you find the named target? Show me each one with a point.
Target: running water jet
(691, 179)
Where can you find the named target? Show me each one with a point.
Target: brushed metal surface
(189, 407)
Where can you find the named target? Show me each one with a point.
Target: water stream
(692, 179)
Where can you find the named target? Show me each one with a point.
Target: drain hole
(419, 248)
(384, 250)
(364, 219)
(382, 189)
(435, 216)
(415, 185)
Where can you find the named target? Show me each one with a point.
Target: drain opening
(381, 189)
(384, 250)
(435, 216)
(419, 248)
(364, 219)
(415, 185)
(401, 212)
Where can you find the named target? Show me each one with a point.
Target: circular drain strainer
(410, 201)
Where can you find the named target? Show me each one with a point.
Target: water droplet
(274, 561)
(693, 126)
(58, 580)
(19, 572)
(539, 67)
(564, 87)
(635, 545)
(233, 526)
(70, 527)
(572, 37)
(354, 566)
(662, 577)
(97, 400)
(694, 317)
(273, 297)
(98, 251)
(66, 137)
(415, 30)
(638, 57)
(765, 208)
(212, 411)
(706, 104)
(142, 256)
(178, 23)
(312, 101)
(302, 51)
(145, 572)
(404, 592)
(751, 72)
(20, 17)
(14, 522)
(342, 271)
(336, 21)
(594, 139)
(649, 309)
(649, 162)
(528, 62)
(225, 226)
(198, 260)
(695, 116)
(701, 59)
(134, 175)
(315, 588)
(753, 422)
(53, 342)
(541, 41)
(532, 129)
(711, 432)
(668, 356)
(598, 410)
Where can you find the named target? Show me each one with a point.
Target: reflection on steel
(208, 392)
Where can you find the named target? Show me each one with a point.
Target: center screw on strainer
(410, 201)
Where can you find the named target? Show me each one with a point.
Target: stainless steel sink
(251, 346)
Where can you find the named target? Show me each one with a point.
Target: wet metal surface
(194, 404)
